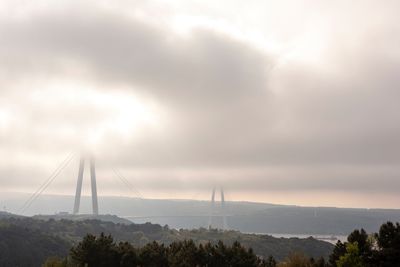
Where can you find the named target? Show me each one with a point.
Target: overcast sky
(293, 102)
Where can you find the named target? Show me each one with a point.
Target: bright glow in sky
(269, 98)
(5, 118)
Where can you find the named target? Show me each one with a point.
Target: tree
(388, 239)
(102, 251)
(338, 251)
(237, 255)
(185, 254)
(96, 252)
(154, 255)
(389, 236)
(352, 257)
(364, 244)
(128, 255)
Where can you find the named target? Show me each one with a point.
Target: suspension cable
(130, 186)
(48, 181)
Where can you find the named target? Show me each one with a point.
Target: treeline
(29, 242)
(141, 234)
(380, 249)
(25, 247)
(102, 251)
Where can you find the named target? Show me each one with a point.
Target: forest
(26, 241)
(361, 250)
(72, 232)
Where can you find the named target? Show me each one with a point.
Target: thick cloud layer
(317, 117)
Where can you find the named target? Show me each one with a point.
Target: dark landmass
(52, 237)
(83, 217)
(247, 217)
(21, 246)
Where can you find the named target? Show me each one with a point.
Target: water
(327, 238)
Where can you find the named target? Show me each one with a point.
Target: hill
(140, 234)
(242, 216)
(83, 217)
(20, 246)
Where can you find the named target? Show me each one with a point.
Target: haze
(291, 102)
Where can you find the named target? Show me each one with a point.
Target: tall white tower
(95, 206)
(221, 212)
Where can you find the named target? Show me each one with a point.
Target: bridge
(214, 211)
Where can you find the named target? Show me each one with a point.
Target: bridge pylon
(221, 211)
(95, 206)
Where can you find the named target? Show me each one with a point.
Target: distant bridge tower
(95, 205)
(221, 211)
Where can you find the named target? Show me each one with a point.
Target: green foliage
(153, 255)
(351, 258)
(25, 247)
(364, 244)
(381, 249)
(338, 251)
(388, 240)
(103, 251)
(389, 236)
(263, 245)
(362, 241)
(186, 253)
(362, 250)
(99, 252)
(141, 234)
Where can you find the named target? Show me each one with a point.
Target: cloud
(209, 80)
(204, 66)
(240, 112)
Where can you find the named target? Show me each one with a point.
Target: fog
(291, 103)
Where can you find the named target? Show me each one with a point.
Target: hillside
(83, 217)
(20, 246)
(140, 234)
(242, 216)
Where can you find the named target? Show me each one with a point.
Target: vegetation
(380, 249)
(64, 243)
(351, 257)
(141, 234)
(102, 251)
(24, 247)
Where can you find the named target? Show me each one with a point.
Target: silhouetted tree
(351, 258)
(128, 255)
(388, 239)
(102, 251)
(154, 255)
(185, 254)
(362, 250)
(338, 251)
(96, 252)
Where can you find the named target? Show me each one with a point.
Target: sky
(291, 102)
